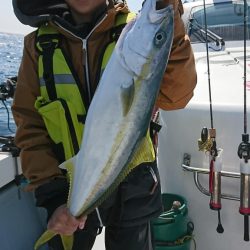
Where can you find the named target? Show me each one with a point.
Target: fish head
(145, 41)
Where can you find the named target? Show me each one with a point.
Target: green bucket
(172, 224)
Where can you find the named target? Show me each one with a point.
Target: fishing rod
(244, 148)
(207, 143)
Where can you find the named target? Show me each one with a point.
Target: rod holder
(197, 171)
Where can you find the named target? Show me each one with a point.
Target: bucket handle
(173, 212)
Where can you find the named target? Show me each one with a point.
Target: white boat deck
(7, 168)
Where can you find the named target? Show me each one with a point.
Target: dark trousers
(126, 238)
(126, 214)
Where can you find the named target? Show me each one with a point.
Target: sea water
(11, 49)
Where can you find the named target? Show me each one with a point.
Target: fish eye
(160, 37)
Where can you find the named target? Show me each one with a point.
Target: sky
(10, 24)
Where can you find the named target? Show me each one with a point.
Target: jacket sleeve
(180, 78)
(39, 164)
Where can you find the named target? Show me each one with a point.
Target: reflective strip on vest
(60, 79)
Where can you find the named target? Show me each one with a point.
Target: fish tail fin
(44, 238)
(67, 240)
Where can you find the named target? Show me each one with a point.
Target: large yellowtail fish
(120, 112)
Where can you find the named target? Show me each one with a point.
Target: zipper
(85, 54)
(85, 58)
(86, 68)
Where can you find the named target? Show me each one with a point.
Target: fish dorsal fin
(69, 165)
(127, 96)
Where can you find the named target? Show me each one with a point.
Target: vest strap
(71, 126)
(48, 47)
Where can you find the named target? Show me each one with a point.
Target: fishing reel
(7, 89)
(207, 141)
(8, 145)
(244, 148)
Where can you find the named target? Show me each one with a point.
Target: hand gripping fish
(120, 112)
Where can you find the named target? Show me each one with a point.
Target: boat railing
(197, 171)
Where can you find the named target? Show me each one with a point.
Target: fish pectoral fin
(127, 96)
(67, 240)
(69, 164)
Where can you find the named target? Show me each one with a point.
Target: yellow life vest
(62, 101)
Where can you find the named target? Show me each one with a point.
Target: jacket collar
(104, 22)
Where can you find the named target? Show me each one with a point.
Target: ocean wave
(11, 47)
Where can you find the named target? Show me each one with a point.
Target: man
(78, 32)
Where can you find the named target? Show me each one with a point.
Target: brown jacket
(39, 164)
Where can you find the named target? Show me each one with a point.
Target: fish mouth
(160, 4)
(159, 11)
(144, 57)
